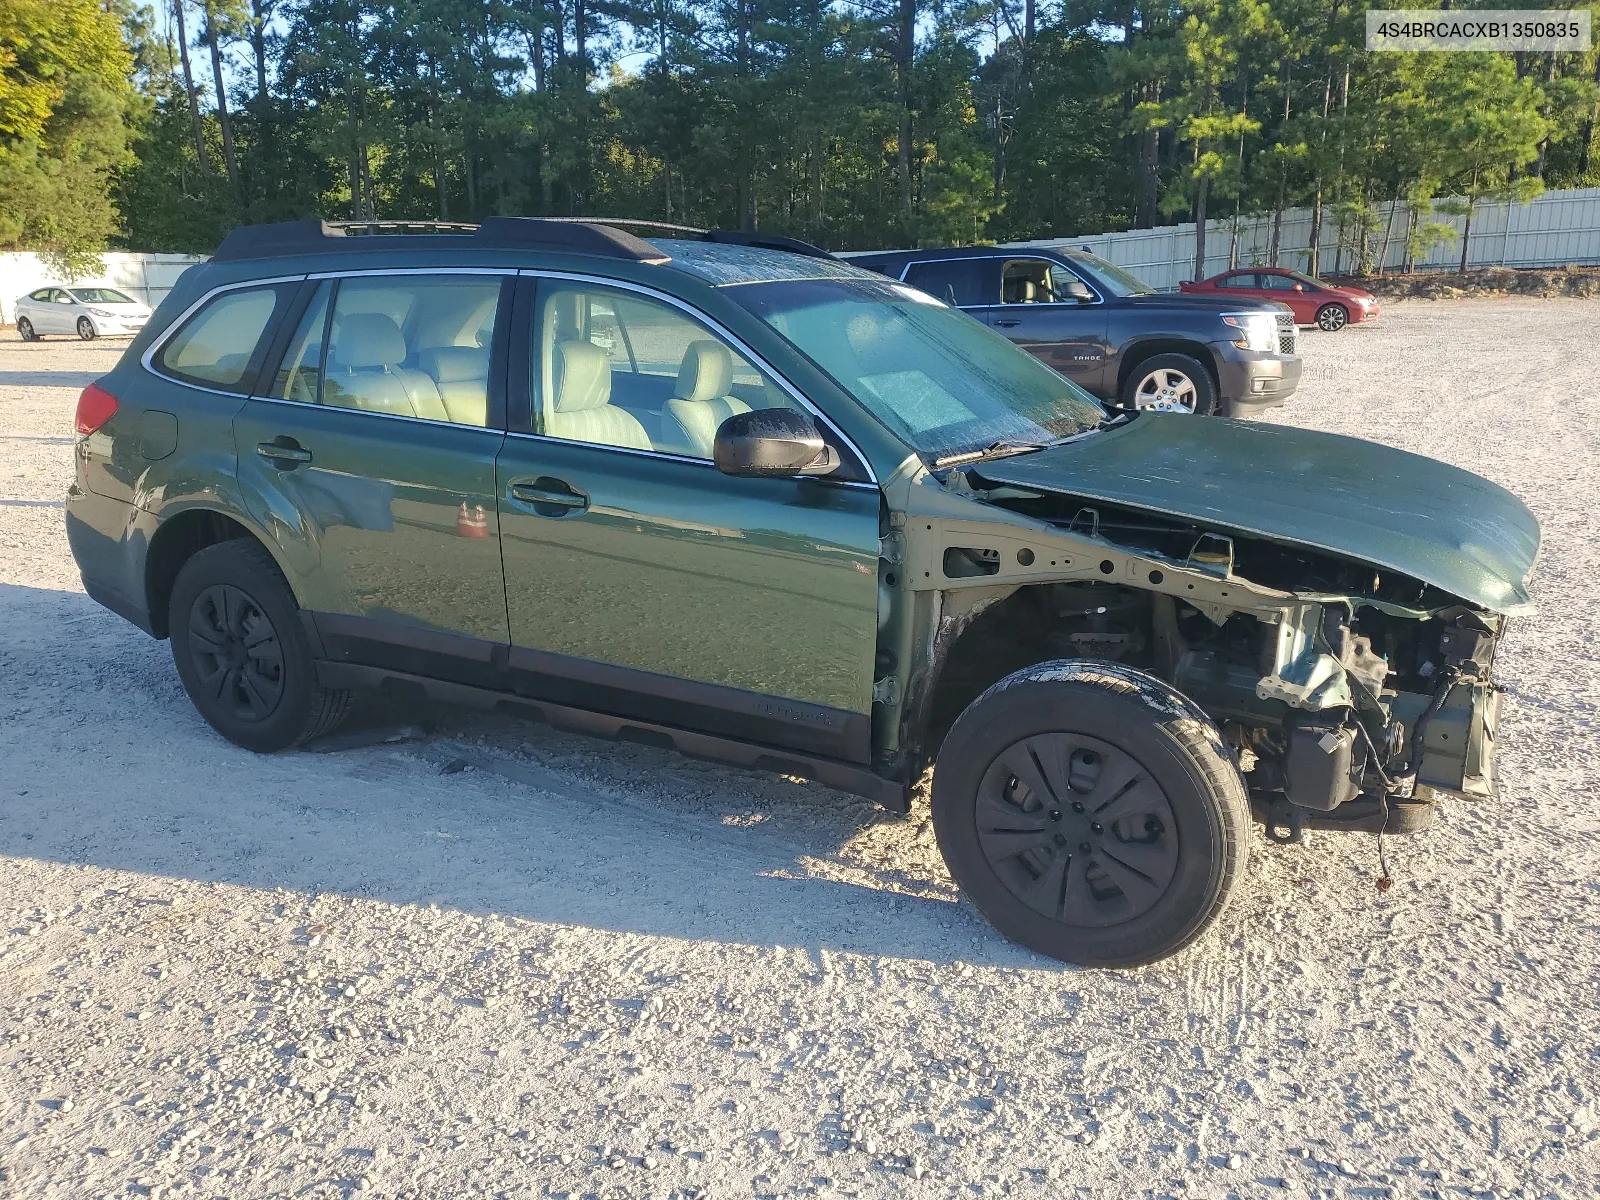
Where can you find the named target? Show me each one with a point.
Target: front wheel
(1091, 813)
(86, 329)
(26, 331)
(1332, 317)
(241, 652)
(1170, 383)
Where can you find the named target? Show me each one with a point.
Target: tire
(1018, 789)
(1170, 383)
(1332, 317)
(26, 331)
(242, 652)
(86, 329)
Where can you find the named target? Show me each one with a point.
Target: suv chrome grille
(1288, 334)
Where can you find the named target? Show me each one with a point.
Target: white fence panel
(1556, 229)
(146, 277)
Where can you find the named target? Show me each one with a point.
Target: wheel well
(1034, 624)
(175, 543)
(1141, 351)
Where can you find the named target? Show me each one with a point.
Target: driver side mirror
(1077, 289)
(772, 442)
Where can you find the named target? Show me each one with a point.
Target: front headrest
(583, 377)
(1027, 292)
(706, 373)
(454, 364)
(367, 340)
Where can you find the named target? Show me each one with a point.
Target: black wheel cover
(1077, 829)
(236, 653)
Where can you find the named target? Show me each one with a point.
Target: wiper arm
(992, 450)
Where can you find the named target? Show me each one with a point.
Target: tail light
(96, 406)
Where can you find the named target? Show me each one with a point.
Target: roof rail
(607, 237)
(558, 234)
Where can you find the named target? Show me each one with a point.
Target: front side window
(946, 384)
(1277, 283)
(414, 346)
(221, 345)
(618, 369)
(60, 297)
(101, 295)
(1028, 281)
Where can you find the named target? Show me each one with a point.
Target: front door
(370, 454)
(1067, 334)
(640, 580)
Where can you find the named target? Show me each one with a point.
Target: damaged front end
(1353, 695)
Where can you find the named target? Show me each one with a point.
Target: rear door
(370, 453)
(643, 582)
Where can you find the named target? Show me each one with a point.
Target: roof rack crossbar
(608, 237)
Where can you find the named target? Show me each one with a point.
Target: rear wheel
(242, 654)
(26, 331)
(1332, 317)
(1091, 813)
(1170, 383)
(86, 329)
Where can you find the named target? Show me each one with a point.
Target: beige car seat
(581, 410)
(700, 400)
(364, 370)
(462, 375)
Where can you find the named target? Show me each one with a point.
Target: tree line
(849, 123)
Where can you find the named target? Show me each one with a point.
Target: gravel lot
(577, 968)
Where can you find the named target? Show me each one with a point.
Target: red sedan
(1329, 306)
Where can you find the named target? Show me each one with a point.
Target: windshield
(100, 296)
(1109, 276)
(945, 383)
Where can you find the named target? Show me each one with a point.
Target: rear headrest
(706, 373)
(454, 364)
(583, 377)
(367, 340)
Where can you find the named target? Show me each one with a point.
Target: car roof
(722, 265)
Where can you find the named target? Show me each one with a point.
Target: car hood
(1353, 498)
(1208, 301)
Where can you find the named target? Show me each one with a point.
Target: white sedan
(89, 312)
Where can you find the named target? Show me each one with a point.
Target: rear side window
(410, 346)
(222, 344)
(956, 281)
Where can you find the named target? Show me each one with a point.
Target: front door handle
(550, 497)
(1007, 324)
(284, 453)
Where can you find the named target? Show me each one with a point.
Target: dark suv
(1109, 332)
(769, 508)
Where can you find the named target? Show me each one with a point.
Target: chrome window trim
(687, 459)
(350, 274)
(147, 359)
(721, 331)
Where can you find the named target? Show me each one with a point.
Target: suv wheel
(1332, 317)
(86, 329)
(1091, 813)
(1170, 383)
(242, 653)
(26, 331)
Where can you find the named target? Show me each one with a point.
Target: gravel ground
(573, 968)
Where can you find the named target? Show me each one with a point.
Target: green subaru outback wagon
(736, 497)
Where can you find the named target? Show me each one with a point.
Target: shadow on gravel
(104, 762)
(76, 379)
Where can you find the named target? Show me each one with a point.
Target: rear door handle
(286, 453)
(555, 495)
